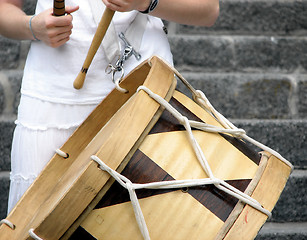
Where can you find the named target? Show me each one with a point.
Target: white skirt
(41, 128)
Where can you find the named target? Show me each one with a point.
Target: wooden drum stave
(132, 134)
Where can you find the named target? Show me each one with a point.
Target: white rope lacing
(119, 88)
(200, 98)
(177, 184)
(222, 185)
(62, 153)
(33, 235)
(12, 226)
(8, 223)
(126, 183)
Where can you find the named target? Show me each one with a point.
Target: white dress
(50, 108)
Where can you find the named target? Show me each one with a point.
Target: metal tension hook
(127, 53)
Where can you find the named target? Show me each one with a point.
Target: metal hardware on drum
(128, 45)
(127, 53)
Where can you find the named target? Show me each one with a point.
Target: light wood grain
(174, 215)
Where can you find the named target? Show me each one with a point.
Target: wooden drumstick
(97, 39)
(59, 7)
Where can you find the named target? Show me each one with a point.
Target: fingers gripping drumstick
(59, 10)
(97, 39)
(59, 7)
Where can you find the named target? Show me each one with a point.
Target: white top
(54, 82)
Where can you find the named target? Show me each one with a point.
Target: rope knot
(239, 133)
(129, 185)
(201, 98)
(183, 120)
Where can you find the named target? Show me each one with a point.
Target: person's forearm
(191, 12)
(14, 23)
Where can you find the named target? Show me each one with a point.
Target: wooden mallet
(59, 7)
(97, 39)
(59, 10)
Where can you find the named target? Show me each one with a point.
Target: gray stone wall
(252, 65)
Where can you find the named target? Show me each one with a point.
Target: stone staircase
(252, 65)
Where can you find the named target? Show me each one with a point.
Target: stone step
(234, 53)
(13, 54)
(283, 231)
(291, 206)
(10, 82)
(29, 6)
(235, 94)
(9, 53)
(252, 95)
(260, 17)
(288, 137)
(4, 192)
(285, 136)
(6, 135)
(279, 54)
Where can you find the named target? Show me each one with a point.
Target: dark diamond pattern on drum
(217, 201)
(142, 169)
(168, 123)
(81, 234)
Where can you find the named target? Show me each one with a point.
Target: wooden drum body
(132, 134)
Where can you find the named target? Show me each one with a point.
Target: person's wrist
(31, 28)
(152, 5)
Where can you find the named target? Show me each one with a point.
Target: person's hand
(127, 5)
(52, 30)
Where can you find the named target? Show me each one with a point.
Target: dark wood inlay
(81, 234)
(244, 148)
(142, 169)
(168, 123)
(217, 201)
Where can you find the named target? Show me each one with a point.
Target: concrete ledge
(10, 83)
(292, 206)
(301, 96)
(271, 17)
(9, 53)
(249, 95)
(283, 231)
(288, 137)
(29, 6)
(4, 191)
(6, 135)
(239, 53)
